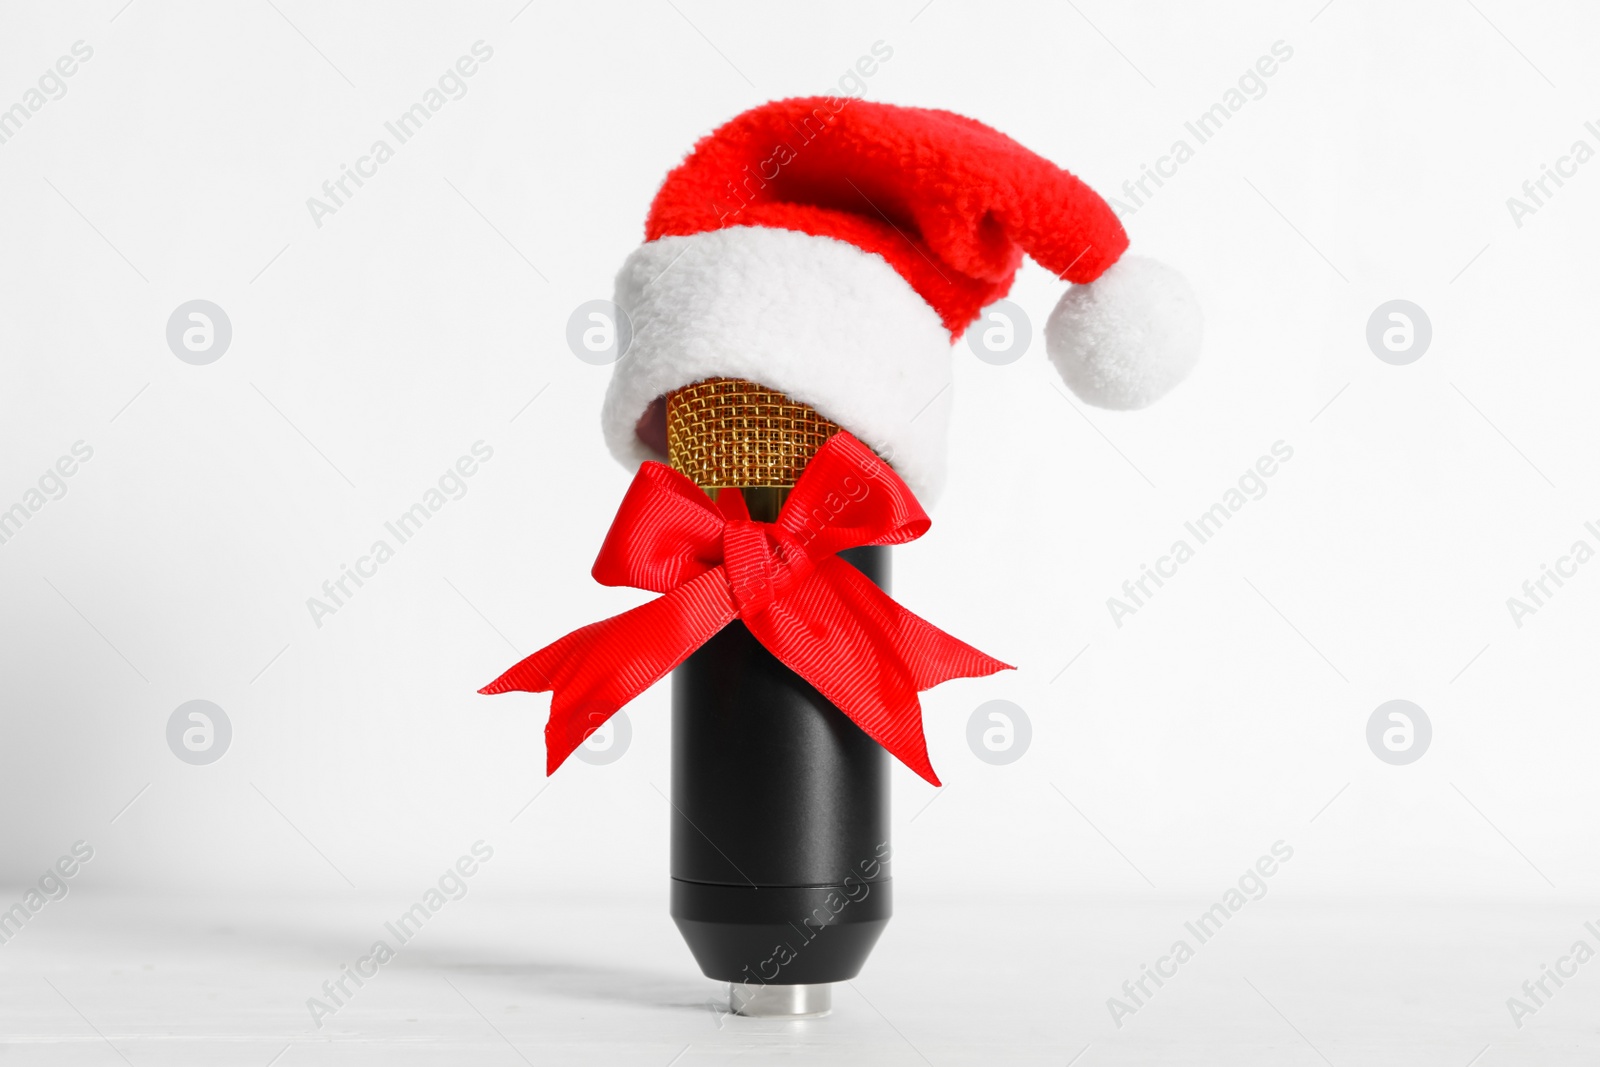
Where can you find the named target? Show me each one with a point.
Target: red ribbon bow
(823, 618)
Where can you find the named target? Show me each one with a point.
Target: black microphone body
(780, 821)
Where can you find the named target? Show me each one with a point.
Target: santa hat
(834, 249)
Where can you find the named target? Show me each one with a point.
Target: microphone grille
(727, 432)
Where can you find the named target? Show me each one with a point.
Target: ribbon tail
(868, 655)
(594, 671)
(931, 655)
(850, 663)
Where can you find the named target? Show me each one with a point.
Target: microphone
(805, 274)
(780, 820)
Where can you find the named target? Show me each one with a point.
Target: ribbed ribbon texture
(820, 616)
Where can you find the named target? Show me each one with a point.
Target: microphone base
(760, 1001)
(781, 936)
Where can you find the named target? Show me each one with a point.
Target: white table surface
(147, 980)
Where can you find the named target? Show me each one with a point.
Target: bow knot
(820, 616)
(762, 564)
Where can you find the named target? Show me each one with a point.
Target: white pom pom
(1128, 337)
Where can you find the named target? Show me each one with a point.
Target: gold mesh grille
(727, 432)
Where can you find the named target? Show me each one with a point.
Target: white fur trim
(1128, 337)
(816, 319)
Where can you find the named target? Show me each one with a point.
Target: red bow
(823, 618)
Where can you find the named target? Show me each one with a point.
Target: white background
(372, 351)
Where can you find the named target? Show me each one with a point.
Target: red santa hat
(834, 249)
